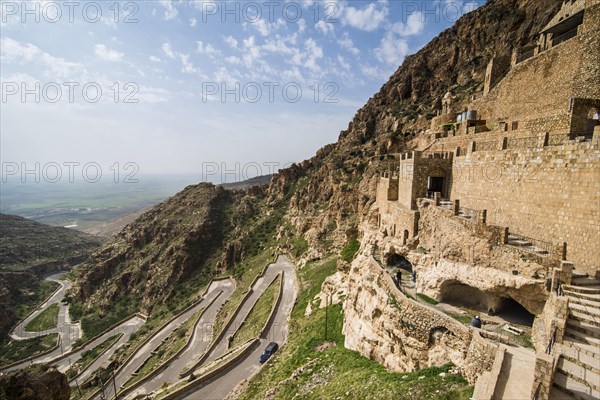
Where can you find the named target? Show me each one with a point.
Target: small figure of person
(399, 278)
(414, 276)
(476, 322)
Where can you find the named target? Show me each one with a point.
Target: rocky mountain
(334, 188)
(206, 228)
(340, 176)
(188, 238)
(29, 250)
(25, 243)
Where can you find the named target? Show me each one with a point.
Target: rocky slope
(187, 239)
(338, 183)
(330, 193)
(24, 243)
(26, 385)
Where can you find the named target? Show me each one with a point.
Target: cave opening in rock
(513, 312)
(461, 295)
(398, 261)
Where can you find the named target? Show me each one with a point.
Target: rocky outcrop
(382, 324)
(26, 385)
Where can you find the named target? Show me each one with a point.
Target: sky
(221, 89)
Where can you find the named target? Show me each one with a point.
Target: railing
(525, 56)
(467, 213)
(538, 246)
(536, 395)
(564, 37)
(551, 343)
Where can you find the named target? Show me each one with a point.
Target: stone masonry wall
(384, 325)
(549, 193)
(539, 87)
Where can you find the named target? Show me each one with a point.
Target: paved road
(68, 331)
(124, 374)
(201, 338)
(278, 332)
(127, 328)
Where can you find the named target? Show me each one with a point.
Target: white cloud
(233, 60)
(231, 41)
(193, 22)
(368, 18)
(301, 25)
(13, 50)
(55, 67)
(107, 54)
(207, 49)
(347, 43)
(266, 28)
(170, 10)
(168, 50)
(394, 45)
(374, 72)
(311, 55)
(324, 27)
(154, 59)
(413, 26)
(392, 49)
(343, 63)
(187, 66)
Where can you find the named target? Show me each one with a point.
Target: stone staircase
(578, 369)
(526, 244)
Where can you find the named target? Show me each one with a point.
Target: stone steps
(583, 349)
(575, 388)
(585, 318)
(580, 374)
(585, 359)
(592, 311)
(584, 296)
(581, 289)
(584, 328)
(585, 282)
(582, 337)
(585, 301)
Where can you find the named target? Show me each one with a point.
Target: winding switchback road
(221, 290)
(69, 332)
(222, 384)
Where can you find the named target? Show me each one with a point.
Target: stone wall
(384, 325)
(550, 193)
(537, 88)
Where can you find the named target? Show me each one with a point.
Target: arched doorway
(398, 261)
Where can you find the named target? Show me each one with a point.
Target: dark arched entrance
(398, 261)
(514, 313)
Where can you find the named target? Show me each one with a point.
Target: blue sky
(189, 83)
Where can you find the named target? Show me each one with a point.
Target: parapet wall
(384, 325)
(547, 193)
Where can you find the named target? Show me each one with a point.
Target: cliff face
(338, 183)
